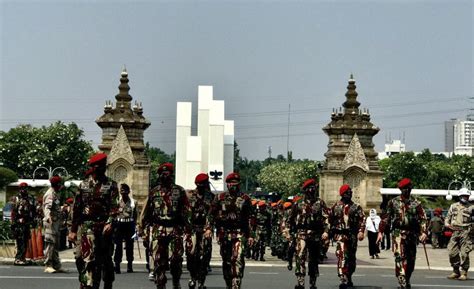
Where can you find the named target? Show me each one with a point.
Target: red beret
(23, 185)
(97, 158)
(308, 183)
(89, 172)
(201, 178)
(286, 205)
(165, 167)
(344, 188)
(262, 204)
(232, 177)
(296, 199)
(403, 183)
(55, 180)
(69, 201)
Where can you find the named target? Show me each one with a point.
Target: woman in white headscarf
(372, 226)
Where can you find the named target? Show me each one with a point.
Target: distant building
(449, 135)
(397, 147)
(464, 137)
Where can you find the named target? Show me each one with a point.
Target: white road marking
(38, 277)
(442, 286)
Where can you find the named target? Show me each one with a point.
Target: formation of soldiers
(174, 223)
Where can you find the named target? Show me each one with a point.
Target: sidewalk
(438, 258)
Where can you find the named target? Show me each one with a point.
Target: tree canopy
(24, 148)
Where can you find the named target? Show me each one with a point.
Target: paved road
(12, 277)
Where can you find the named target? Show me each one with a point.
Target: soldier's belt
(125, 220)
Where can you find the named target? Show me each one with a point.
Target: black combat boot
(117, 268)
(107, 285)
(130, 267)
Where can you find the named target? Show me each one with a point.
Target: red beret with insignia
(21, 185)
(308, 183)
(165, 167)
(232, 177)
(55, 180)
(403, 183)
(344, 188)
(97, 158)
(202, 178)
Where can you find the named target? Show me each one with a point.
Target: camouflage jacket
(263, 220)
(406, 215)
(23, 210)
(309, 215)
(459, 215)
(167, 207)
(127, 210)
(200, 207)
(231, 213)
(347, 218)
(96, 202)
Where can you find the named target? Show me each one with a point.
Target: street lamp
(464, 184)
(50, 174)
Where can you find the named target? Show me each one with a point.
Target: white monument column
(205, 94)
(228, 147)
(183, 131)
(193, 162)
(216, 141)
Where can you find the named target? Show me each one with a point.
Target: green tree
(287, 177)
(24, 148)
(7, 176)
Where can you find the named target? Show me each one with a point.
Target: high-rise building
(464, 134)
(449, 135)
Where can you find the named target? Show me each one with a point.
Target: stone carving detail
(120, 175)
(353, 177)
(121, 149)
(355, 156)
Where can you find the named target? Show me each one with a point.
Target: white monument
(212, 150)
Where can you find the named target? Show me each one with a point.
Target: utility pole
(269, 152)
(288, 135)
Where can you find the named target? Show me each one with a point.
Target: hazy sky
(412, 60)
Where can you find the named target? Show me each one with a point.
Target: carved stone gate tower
(351, 157)
(122, 139)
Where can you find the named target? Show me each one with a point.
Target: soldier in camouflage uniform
(95, 207)
(347, 220)
(407, 221)
(460, 244)
(231, 212)
(308, 224)
(51, 223)
(22, 218)
(275, 225)
(167, 211)
(262, 229)
(286, 248)
(198, 247)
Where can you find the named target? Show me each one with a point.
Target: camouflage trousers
(404, 250)
(459, 247)
(308, 249)
(94, 256)
(51, 240)
(233, 246)
(22, 236)
(166, 240)
(198, 255)
(260, 244)
(346, 249)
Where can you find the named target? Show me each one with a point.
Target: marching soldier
(263, 220)
(436, 228)
(275, 223)
(308, 225)
(460, 244)
(95, 207)
(124, 229)
(22, 218)
(347, 221)
(198, 247)
(407, 221)
(167, 212)
(286, 248)
(52, 220)
(231, 212)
